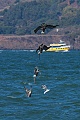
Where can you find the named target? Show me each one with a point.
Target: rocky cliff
(33, 41)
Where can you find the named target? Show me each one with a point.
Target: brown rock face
(33, 41)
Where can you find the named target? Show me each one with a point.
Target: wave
(22, 50)
(11, 97)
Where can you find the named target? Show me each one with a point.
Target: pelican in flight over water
(44, 26)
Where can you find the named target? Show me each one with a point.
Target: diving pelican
(44, 87)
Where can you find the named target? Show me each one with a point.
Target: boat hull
(58, 49)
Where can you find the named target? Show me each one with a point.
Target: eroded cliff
(33, 41)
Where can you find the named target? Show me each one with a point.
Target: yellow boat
(61, 46)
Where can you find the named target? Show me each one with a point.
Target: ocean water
(59, 71)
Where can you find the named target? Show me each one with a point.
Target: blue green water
(59, 71)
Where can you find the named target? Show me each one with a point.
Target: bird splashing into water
(44, 87)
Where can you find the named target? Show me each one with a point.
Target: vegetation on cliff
(24, 16)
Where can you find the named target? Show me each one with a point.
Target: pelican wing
(47, 90)
(38, 49)
(45, 47)
(52, 26)
(39, 27)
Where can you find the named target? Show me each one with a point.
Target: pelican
(36, 71)
(44, 87)
(44, 26)
(28, 91)
(41, 48)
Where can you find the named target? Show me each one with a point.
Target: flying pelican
(44, 26)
